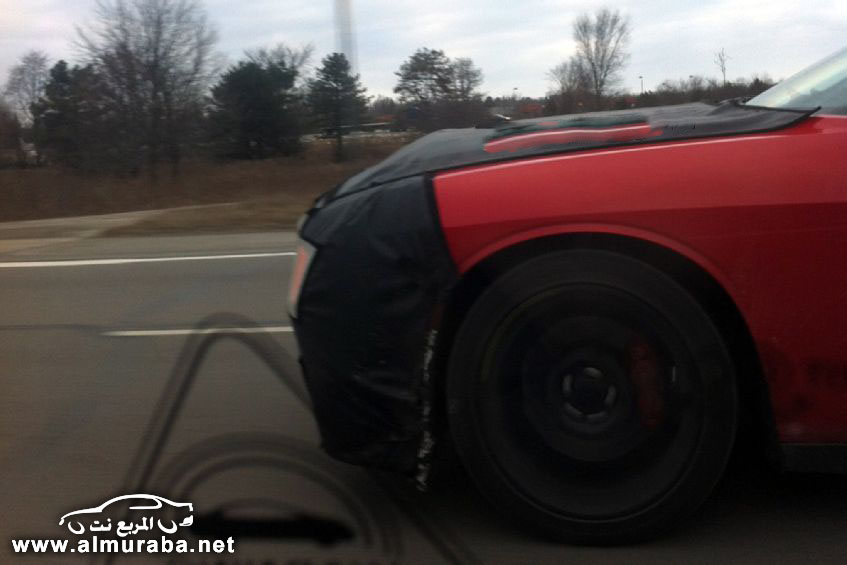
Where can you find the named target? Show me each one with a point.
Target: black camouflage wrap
(380, 269)
(455, 148)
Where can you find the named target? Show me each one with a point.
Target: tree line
(149, 90)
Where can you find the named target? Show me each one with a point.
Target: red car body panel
(764, 214)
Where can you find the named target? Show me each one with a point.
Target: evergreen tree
(252, 113)
(73, 124)
(336, 97)
(10, 136)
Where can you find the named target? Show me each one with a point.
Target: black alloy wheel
(591, 397)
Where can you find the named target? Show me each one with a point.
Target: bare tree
(297, 59)
(26, 82)
(383, 106)
(426, 77)
(156, 56)
(720, 60)
(601, 43)
(571, 83)
(467, 79)
(569, 76)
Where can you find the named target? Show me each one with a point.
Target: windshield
(823, 84)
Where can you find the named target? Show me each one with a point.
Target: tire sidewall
(644, 283)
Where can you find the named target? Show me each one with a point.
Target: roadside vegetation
(148, 118)
(281, 185)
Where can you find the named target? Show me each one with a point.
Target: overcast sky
(514, 43)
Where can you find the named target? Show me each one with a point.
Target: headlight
(305, 253)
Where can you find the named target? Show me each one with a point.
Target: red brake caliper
(644, 371)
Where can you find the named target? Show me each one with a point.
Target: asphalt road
(88, 343)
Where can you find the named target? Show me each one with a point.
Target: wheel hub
(588, 395)
(583, 403)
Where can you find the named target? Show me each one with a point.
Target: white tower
(345, 40)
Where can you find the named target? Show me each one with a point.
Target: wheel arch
(757, 429)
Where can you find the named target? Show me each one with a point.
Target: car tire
(591, 398)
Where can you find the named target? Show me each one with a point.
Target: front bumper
(364, 314)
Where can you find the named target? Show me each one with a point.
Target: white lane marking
(128, 261)
(195, 331)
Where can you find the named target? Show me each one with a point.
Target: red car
(588, 306)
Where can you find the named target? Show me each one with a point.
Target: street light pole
(641, 78)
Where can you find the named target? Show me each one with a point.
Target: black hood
(455, 148)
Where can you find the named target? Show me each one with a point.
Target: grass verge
(247, 195)
(266, 214)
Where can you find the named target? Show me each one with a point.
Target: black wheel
(591, 397)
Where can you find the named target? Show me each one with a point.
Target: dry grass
(267, 194)
(279, 212)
